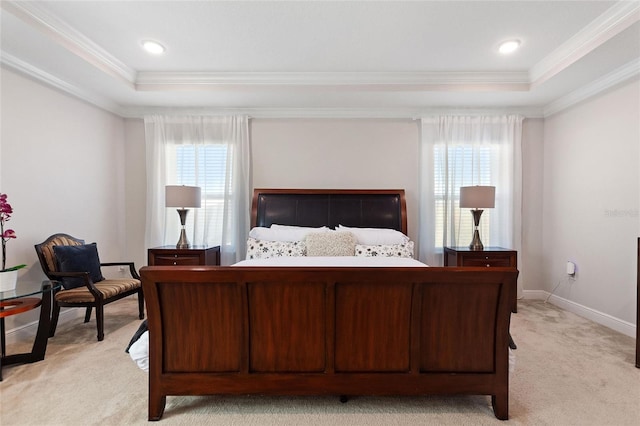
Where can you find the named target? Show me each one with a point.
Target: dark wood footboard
(328, 331)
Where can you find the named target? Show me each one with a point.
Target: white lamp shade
(182, 196)
(478, 197)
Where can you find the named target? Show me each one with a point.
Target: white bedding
(345, 261)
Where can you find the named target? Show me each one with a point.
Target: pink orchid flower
(9, 233)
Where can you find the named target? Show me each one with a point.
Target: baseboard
(607, 320)
(27, 332)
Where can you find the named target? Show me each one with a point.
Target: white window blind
(205, 166)
(457, 165)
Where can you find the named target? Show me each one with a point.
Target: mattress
(333, 261)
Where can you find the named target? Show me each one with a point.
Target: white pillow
(385, 250)
(332, 243)
(283, 233)
(262, 249)
(299, 228)
(139, 351)
(376, 236)
(298, 231)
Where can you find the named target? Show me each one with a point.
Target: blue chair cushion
(79, 258)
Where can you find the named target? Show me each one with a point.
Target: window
(459, 150)
(213, 153)
(457, 165)
(203, 166)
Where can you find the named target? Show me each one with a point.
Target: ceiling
(359, 58)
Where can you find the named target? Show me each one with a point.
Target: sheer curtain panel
(460, 151)
(212, 153)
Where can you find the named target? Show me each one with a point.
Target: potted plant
(8, 276)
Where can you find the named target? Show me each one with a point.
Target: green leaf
(14, 268)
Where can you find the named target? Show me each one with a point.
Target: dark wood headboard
(364, 208)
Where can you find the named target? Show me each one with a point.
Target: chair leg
(100, 321)
(141, 303)
(87, 315)
(55, 313)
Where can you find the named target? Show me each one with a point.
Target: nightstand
(489, 257)
(196, 255)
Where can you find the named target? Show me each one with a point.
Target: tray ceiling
(362, 57)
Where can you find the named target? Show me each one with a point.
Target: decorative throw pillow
(332, 243)
(282, 233)
(385, 250)
(261, 249)
(80, 258)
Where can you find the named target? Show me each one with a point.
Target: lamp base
(183, 242)
(476, 244)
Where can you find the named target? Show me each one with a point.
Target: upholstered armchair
(76, 264)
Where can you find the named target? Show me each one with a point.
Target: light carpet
(569, 371)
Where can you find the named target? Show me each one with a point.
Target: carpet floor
(569, 371)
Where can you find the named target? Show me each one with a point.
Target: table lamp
(477, 198)
(182, 197)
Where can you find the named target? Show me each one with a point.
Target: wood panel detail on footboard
(328, 331)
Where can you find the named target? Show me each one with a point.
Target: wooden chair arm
(87, 281)
(131, 265)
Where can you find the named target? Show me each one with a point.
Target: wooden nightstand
(489, 257)
(170, 256)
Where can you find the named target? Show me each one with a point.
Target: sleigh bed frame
(326, 330)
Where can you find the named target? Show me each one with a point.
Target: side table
(17, 301)
(172, 256)
(489, 257)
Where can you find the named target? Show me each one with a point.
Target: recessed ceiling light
(153, 47)
(509, 47)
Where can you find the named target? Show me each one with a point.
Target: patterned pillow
(331, 243)
(385, 250)
(262, 249)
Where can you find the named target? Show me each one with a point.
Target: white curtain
(214, 154)
(460, 151)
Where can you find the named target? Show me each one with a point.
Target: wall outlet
(571, 269)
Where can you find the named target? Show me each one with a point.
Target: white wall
(62, 166)
(338, 154)
(135, 191)
(591, 202)
(530, 260)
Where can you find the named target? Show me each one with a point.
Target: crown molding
(333, 113)
(67, 36)
(44, 77)
(615, 20)
(450, 81)
(614, 78)
(622, 74)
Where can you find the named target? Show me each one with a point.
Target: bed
(295, 329)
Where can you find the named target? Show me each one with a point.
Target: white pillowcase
(139, 351)
(385, 250)
(283, 233)
(376, 236)
(262, 249)
(299, 228)
(332, 243)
